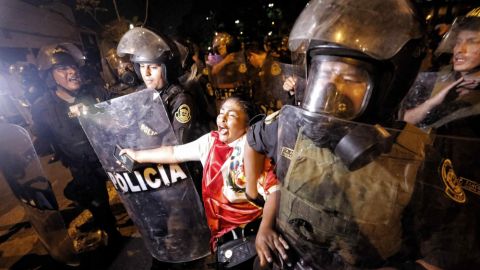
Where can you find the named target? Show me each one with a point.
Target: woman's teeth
(222, 130)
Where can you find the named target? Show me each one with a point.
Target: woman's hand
(129, 152)
(268, 241)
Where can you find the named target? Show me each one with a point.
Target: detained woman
(231, 214)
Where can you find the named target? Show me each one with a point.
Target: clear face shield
(116, 61)
(336, 88)
(142, 44)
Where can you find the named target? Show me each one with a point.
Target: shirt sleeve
(194, 151)
(40, 127)
(184, 115)
(262, 136)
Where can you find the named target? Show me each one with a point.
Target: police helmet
(148, 46)
(374, 56)
(54, 55)
(232, 43)
(469, 22)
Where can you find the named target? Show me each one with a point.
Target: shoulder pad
(413, 139)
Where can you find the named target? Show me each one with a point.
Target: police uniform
(452, 163)
(52, 118)
(355, 219)
(121, 88)
(181, 109)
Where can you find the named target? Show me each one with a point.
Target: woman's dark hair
(246, 106)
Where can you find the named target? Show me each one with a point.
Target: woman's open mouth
(222, 130)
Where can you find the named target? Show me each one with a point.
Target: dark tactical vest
(356, 215)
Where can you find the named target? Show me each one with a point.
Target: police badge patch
(242, 68)
(183, 114)
(453, 188)
(287, 152)
(275, 70)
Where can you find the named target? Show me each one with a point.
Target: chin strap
(66, 90)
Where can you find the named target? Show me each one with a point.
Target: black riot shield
(422, 186)
(23, 173)
(160, 198)
(272, 77)
(228, 75)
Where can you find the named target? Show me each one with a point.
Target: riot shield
(458, 101)
(424, 185)
(160, 198)
(228, 75)
(272, 77)
(22, 170)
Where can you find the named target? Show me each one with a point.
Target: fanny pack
(237, 251)
(232, 252)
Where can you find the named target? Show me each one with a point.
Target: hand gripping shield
(23, 173)
(160, 198)
(335, 217)
(272, 77)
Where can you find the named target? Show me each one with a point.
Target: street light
(270, 5)
(237, 21)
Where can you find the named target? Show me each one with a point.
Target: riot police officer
(27, 75)
(345, 190)
(156, 59)
(227, 70)
(126, 79)
(451, 108)
(58, 65)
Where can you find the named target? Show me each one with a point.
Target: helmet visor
(143, 44)
(463, 28)
(336, 88)
(46, 59)
(116, 61)
(378, 28)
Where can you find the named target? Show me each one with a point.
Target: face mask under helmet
(117, 63)
(147, 46)
(360, 62)
(54, 55)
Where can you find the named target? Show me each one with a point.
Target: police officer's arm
(39, 113)
(417, 114)
(106, 94)
(230, 58)
(256, 146)
(184, 115)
